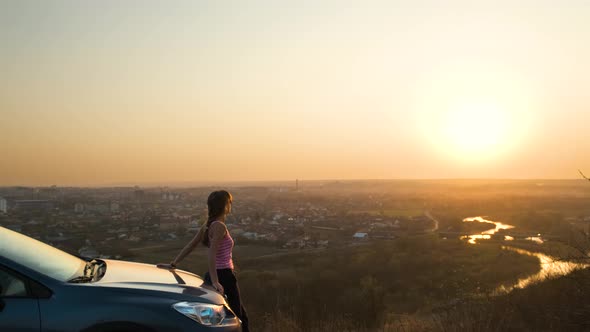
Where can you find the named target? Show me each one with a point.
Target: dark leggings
(227, 279)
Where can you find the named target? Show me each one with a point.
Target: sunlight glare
(473, 113)
(475, 127)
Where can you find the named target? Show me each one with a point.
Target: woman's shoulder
(218, 223)
(217, 226)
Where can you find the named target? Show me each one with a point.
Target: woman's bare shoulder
(217, 228)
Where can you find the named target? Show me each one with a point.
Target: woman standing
(215, 235)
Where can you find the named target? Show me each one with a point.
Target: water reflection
(498, 226)
(486, 235)
(550, 267)
(472, 238)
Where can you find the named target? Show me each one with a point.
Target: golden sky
(108, 92)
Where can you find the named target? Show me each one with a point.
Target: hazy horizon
(228, 91)
(283, 182)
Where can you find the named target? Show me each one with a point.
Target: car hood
(122, 271)
(149, 279)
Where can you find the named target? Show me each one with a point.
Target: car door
(19, 310)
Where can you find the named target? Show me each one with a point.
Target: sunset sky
(136, 92)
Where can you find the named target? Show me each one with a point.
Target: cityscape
(96, 222)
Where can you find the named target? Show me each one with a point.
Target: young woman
(215, 235)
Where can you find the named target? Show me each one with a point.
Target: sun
(474, 114)
(475, 129)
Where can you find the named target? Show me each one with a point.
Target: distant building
(360, 236)
(170, 196)
(3, 205)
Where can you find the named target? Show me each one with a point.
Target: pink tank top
(223, 257)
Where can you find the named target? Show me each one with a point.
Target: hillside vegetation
(371, 285)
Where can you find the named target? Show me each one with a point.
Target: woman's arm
(188, 248)
(216, 233)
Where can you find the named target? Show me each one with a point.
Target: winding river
(550, 266)
(486, 235)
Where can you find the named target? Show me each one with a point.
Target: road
(429, 216)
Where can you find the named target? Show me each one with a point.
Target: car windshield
(39, 256)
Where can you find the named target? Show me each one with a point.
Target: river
(486, 235)
(549, 266)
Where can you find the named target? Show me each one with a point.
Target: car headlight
(207, 314)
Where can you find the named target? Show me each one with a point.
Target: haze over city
(100, 93)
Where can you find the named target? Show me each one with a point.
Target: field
(363, 286)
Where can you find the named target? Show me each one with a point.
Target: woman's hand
(170, 266)
(218, 286)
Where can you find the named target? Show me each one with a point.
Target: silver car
(45, 289)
